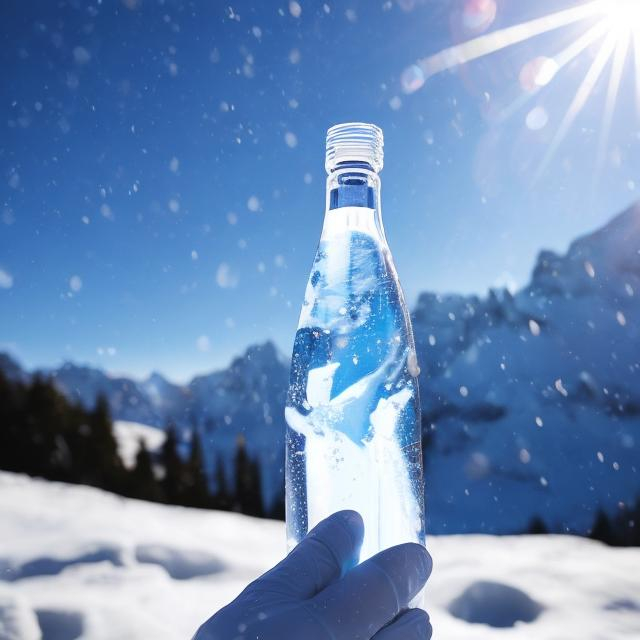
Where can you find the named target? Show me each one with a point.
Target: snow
(82, 563)
(128, 436)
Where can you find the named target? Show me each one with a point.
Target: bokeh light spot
(537, 119)
(412, 78)
(538, 73)
(478, 15)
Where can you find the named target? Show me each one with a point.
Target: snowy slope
(86, 564)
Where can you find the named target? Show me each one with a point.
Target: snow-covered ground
(130, 434)
(81, 563)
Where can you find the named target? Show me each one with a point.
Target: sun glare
(623, 16)
(612, 30)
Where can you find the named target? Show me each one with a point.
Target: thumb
(326, 553)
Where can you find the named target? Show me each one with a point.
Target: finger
(374, 593)
(326, 553)
(411, 625)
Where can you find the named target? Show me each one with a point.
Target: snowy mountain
(137, 570)
(531, 401)
(244, 400)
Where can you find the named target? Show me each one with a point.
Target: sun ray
(580, 99)
(615, 78)
(636, 48)
(562, 59)
(492, 42)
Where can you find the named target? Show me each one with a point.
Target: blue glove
(317, 592)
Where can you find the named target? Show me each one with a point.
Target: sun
(623, 17)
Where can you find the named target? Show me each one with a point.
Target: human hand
(317, 592)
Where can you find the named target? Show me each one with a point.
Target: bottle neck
(353, 202)
(355, 184)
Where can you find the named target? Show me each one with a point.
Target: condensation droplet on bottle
(412, 364)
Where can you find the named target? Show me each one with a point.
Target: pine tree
(102, 464)
(222, 499)
(537, 526)
(602, 529)
(142, 481)
(248, 497)
(12, 433)
(196, 484)
(173, 480)
(278, 508)
(43, 449)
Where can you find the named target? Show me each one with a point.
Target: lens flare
(537, 119)
(537, 73)
(412, 78)
(478, 15)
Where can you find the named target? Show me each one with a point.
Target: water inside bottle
(353, 434)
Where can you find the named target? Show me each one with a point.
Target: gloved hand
(316, 592)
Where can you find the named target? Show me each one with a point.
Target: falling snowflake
(534, 327)
(6, 279)
(295, 9)
(560, 388)
(294, 56)
(14, 180)
(226, 277)
(203, 343)
(75, 283)
(253, 204)
(395, 103)
(290, 139)
(105, 211)
(81, 55)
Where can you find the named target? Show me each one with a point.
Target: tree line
(44, 434)
(619, 530)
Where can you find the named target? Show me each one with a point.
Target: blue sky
(162, 165)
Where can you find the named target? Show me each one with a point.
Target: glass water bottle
(353, 410)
